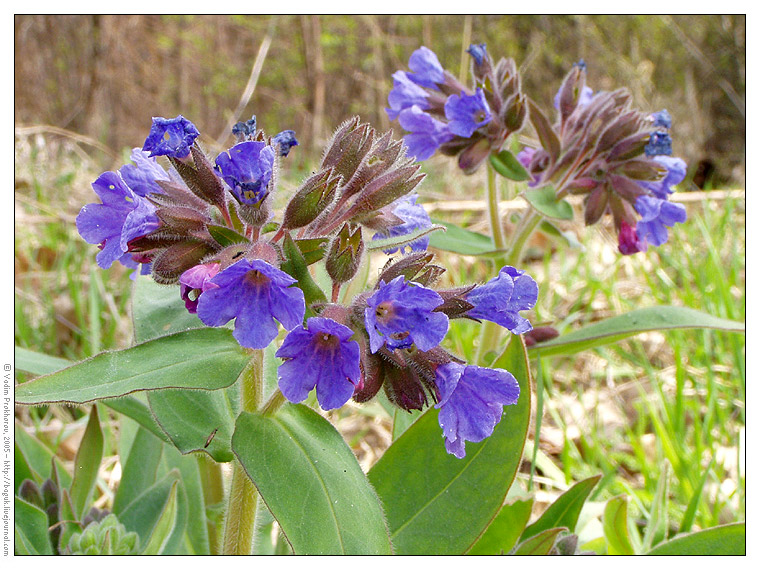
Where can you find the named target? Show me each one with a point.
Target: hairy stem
(241, 503)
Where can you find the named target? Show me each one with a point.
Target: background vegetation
(86, 87)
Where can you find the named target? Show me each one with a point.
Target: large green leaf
(165, 525)
(462, 241)
(144, 512)
(138, 469)
(189, 418)
(31, 529)
(311, 482)
(502, 534)
(539, 544)
(438, 504)
(726, 540)
(637, 321)
(208, 359)
(38, 363)
(87, 464)
(564, 512)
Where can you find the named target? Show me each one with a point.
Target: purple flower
(122, 217)
(254, 294)
(400, 314)
(478, 53)
(415, 218)
(500, 300)
(525, 156)
(661, 119)
(284, 141)
(141, 176)
(467, 113)
(471, 402)
(426, 69)
(656, 214)
(659, 143)
(247, 170)
(426, 133)
(321, 355)
(676, 172)
(628, 242)
(171, 137)
(405, 94)
(242, 130)
(195, 281)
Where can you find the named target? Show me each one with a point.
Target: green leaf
(567, 238)
(31, 529)
(506, 164)
(158, 310)
(691, 508)
(38, 457)
(502, 534)
(448, 502)
(87, 464)
(139, 412)
(313, 249)
(138, 469)
(630, 324)
(615, 525)
(207, 359)
(402, 240)
(145, 510)
(726, 540)
(564, 512)
(37, 363)
(538, 545)
(311, 482)
(165, 525)
(295, 265)
(196, 529)
(189, 417)
(544, 200)
(225, 236)
(462, 241)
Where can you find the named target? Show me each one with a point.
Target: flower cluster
(441, 114)
(618, 157)
(208, 227)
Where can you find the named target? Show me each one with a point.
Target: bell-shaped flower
(253, 293)
(471, 402)
(501, 299)
(676, 172)
(141, 176)
(171, 137)
(122, 217)
(195, 281)
(247, 170)
(284, 141)
(628, 241)
(405, 94)
(656, 216)
(401, 313)
(322, 355)
(426, 134)
(467, 113)
(426, 69)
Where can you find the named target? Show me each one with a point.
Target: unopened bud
(313, 198)
(344, 256)
(348, 147)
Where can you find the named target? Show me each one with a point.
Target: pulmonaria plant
(206, 224)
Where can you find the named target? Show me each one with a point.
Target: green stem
(213, 494)
(241, 503)
(522, 233)
(497, 231)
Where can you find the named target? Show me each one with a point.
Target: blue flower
(405, 94)
(661, 119)
(284, 141)
(500, 299)
(471, 402)
(122, 217)
(467, 113)
(321, 355)
(254, 294)
(242, 130)
(426, 69)
(195, 281)
(659, 143)
(676, 172)
(415, 218)
(426, 133)
(141, 176)
(247, 170)
(478, 53)
(171, 137)
(656, 215)
(401, 313)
